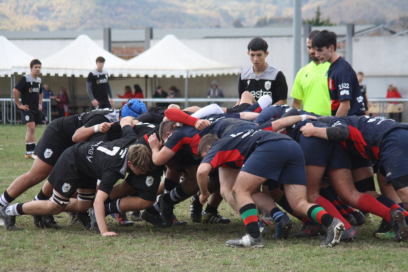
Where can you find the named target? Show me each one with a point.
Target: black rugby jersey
(30, 89)
(100, 86)
(271, 82)
(106, 161)
(366, 133)
(232, 151)
(343, 85)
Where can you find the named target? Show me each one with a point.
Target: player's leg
(30, 139)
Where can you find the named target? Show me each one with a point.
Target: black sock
(327, 219)
(28, 149)
(108, 200)
(169, 185)
(5, 199)
(152, 210)
(211, 209)
(175, 195)
(249, 215)
(20, 208)
(41, 196)
(113, 207)
(32, 148)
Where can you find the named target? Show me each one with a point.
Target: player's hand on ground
(104, 127)
(154, 142)
(109, 234)
(307, 130)
(204, 197)
(24, 107)
(202, 124)
(95, 103)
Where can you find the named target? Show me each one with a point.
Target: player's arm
(83, 133)
(99, 208)
(207, 110)
(297, 103)
(289, 121)
(110, 95)
(343, 108)
(337, 133)
(281, 89)
(16, 94)
(41, 96)
(159, 156)
(202, 179)
(297, 91)
(89, 90)
(177, 115)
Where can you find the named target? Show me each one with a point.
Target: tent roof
(10, 56)
(171, 57)
(78, 59)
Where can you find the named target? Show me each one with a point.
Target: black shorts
(31, 116)
(52, 143)
(183, 159)
(238, 108)
(64, 177)
(146, 185)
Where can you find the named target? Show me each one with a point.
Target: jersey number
(109, 152)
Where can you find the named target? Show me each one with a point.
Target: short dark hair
(325, 39)
(34, 62)
(313, 34)
(207, 140)
(166, 126)
(257, 44)
(128, 89)
(360, 73)
(100, 59)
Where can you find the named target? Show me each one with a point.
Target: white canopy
(78, 59)
(10, 56)
(170, 57)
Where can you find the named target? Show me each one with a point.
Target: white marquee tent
(78, 59)
(12, 56)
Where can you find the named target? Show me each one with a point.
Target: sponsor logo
(66, 187)
(48, 153)
(360, 99)
(100, 81)
(34, 90)
(27, 117)
(149, 181)
(344, 92)
(258, 94)
(331, 84)
(249, 81)
(389, 174)
(268, 85)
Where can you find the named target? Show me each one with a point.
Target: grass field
(195, 247)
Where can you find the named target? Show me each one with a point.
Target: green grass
(195, 247)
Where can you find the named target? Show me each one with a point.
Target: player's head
(100, 62)
(325, 45)
(35, 67)
(134, 108)
(140, 159)
(258, 51)
(360, 76)
(310, 49)
(166, 128)
(205, 144)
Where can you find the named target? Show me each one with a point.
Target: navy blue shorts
(280, 160)
(393, 154)
(321, 152)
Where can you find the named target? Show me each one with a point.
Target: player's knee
(55, 208)
(59, 201)
(144, 204)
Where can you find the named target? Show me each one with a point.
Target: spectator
(363, 89)
(138, 91)
(128, 94)
(215, 92)
(98, 88)
(159, 93)
(62, 99)
(47, 94)
(393, 92)
(174, 92)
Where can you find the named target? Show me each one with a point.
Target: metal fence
(8, 109)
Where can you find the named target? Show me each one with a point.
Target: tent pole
(185, 91)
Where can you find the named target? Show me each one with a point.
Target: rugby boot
(38, 221)
(9, 220)
(85, 220)
(349, 234)
(351, 219)
(334, 232)
(283, 227)
(177, 222)
(310, 230)
(135, 216)
(122, 219)
(166, 210)
(154, 219)
(214, 218)
(360, 218)
(50, 223)
(389, 235)
(94, 224)
(384, 227)
(399, 225)
(196, 208)
(246, 241)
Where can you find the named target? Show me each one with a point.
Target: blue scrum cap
(133, 107)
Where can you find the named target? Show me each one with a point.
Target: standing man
(310, 86)
(345, 94)
(98, 88)
(47, 94)
(363, 89)
(31, 104)
(262, 79)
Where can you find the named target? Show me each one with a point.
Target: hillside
(37, 15)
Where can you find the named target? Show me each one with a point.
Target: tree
(318, 21)
(237, 23)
